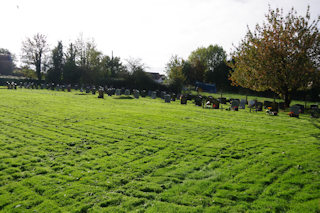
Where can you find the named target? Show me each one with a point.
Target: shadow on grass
(123, 97)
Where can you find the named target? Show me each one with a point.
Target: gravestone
(301, 107)
(63, 88)
(69, 88)
(136, 94)
(127, 92)
(163, 94)
(20, 85)
(183, 99)
(252, 105)
(52, 86)
(314, 106)
(294, 111)
(150, 93)
(198, 100)
(87, 89)
(243, 103)
(235, 105)
(167, 98)
(267, 104)
(42, 86)
(81, 89)
(173, 97)
(143, 93)
(93, 90)
(222, 100)
(58, 87)
(154, 95)
(118, 92)
(259, 106)
(101, 92)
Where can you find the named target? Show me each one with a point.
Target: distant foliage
(6, 62)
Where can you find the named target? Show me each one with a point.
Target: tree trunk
(287, 97)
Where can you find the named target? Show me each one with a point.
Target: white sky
(152, 30)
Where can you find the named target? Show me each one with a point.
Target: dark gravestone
(259, 106)
(294, 111)
(243, 103)
(150, 93)
(154, 95)
(301, 107)
(52, 86)
(267, 104)
(222, 100)
(143, 93)
(198, 100)
(215, 104)
(63, 87)
(57, 87)
(314, 106)
(69, 88)
(173, 97)
(235, 105)
(93, 90)
(127, 92)
(87, 89)
(118, 92)
(101, 92)
(183, 99)
(163, 94)
(167, 98)
(81, 89)
(136, 94)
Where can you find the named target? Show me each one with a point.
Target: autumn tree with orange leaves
(282, 55)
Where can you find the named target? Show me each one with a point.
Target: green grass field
(65, 152)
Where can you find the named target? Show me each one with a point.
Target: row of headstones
(235, 104)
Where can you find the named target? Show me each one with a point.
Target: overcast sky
(152, 30)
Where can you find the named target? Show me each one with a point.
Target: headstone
(167, 98)
(183, 99)
(127, 92)
(87, 89)
(154, 95)
(294, 111)
(150, 93)
(101, 92)
(93, 90)
(81, 89)
(243, 103)
(198, 100)
(20, 85)
(267, 104)
(235, 105)
(136, 94)
(252, 105)
(301, 107)
(118, 92)
(314, 106)
(163, 94)
(222, 100)
(143, 93)
(259, 106)
(63, 87)
(173, 97)
(52, 86)
(69, 88)
(58, 87)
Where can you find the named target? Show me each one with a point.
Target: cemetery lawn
(65, 152)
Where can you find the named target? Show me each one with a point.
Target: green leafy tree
(34, 51)
(71, 72)
(176, 73)
(282, 55)
(55, 72)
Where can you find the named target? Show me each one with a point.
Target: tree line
(282, 55)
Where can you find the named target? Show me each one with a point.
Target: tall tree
(6, 62)
(176, 72)
(55, 72)
(34, 51)
(283, 55)
(71, 72)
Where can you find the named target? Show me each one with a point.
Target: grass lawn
(65, 152)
